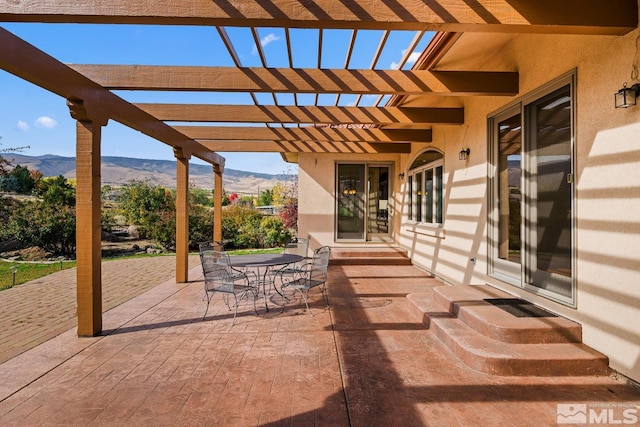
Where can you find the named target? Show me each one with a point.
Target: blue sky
(31, 116)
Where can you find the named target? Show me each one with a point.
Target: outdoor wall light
(627, 96)
(401, 176)
(14, 270)
(464, 154)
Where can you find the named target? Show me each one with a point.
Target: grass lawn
(31, 271)
(28, 271)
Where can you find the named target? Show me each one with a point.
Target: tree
(57, 191)
(201, 197)
(285, 195)
(273, 232)
(241, 227)
(49, 226)
(289, 214)
(24, 179)
(146, 205)
(4, 163)
(265, 198)
(19, 179)
(8, 205)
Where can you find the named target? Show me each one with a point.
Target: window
(531, 192)
(425, 188)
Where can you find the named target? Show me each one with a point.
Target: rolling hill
(120, 170)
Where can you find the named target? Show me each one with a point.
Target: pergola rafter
(304, 146)
(301, 80)
(544, 16)
(384, 116)
(305, 134)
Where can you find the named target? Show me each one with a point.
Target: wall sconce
(401, 176)
(464, 154)
(627, 96)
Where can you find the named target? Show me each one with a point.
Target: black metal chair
(211, 246)
(298, 246)
(312, 274)
(219, 276)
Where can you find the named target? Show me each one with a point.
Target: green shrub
(241, 227)
(273, 232)
(200, 225)
(51, 227)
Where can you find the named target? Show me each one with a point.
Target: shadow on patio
(363, 362)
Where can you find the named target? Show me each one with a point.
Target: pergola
(388, 126)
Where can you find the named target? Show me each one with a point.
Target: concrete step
(369, 256)
(487, 341)
(502, 317)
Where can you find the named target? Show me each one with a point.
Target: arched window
(425, 188)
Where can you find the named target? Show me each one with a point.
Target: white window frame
(438, 186)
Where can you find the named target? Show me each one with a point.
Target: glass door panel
(378, 200)
(350, 191)
(549, 265)
(509, 189)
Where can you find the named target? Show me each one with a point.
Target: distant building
(268, 210)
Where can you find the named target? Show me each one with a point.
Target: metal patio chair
(211, 246)
(297, 246)
(313, 274)
(219, 276)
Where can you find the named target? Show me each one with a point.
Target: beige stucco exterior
(607, 183)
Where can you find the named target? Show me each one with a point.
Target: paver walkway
(41, 309)
(363, 362)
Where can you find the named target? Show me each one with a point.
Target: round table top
(263, 260)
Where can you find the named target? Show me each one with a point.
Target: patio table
(262, 263)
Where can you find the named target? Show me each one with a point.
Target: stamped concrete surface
(364, 361)
(41, 309)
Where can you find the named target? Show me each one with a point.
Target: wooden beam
(307, 147)
(217, 204)
(182, 216)
(542, 16)
(304, 134)
(303, 114)
(88, 205)
(300, 80)
(31, 64)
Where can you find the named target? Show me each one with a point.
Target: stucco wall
(316, 187)
(607, 186)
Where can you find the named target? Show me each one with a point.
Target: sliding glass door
(531, 231)
(362, 202)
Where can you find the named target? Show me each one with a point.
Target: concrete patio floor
(363, 362)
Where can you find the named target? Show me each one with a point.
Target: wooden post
(182, 215)
(88, 203)
(217, 203)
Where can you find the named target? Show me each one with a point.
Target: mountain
(120, 170)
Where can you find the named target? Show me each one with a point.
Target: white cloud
(411, 60)
(23, 126)
(414, 57)
(45, 122)
(265, 41)
(268, 39)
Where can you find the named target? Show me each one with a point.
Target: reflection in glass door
(549, 265)
(378, 201)
(350, 197)
(362, 202)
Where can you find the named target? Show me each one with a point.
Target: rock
(133, 231)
